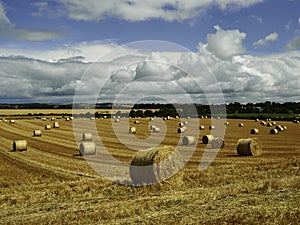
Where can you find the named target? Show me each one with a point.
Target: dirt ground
(51, 183)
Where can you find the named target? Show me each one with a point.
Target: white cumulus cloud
(226, 43)
(139, 10)
(269, 38)
(294, 43)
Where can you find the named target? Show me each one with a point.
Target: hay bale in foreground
(156, 130)
(279, 128)
(181, 124)
(136, 122)
(87, 137)
(254, 131)
(201, 127)
(20, 145)
(55, 125)
(249, 147)
(241, 124)
(147, 167)
(37, 133)
(188, 140)
(207, 139)
(212, 127)
(87, 148)
(226, 123)
(263, 123)
(217, 143)
(47, 127)
(11, 121)
(132, 130)
(181, 130)
(274, 131)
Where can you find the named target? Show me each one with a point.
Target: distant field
(51, 184)
(16, 112)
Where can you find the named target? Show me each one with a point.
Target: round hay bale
(254, 131)
(20, 145)
(164, 118)
(11, 121)
(154, 165)
(136, 122)
(256, 120)
(201, 127)
(71, 118)
(207, 139)
(55, 125)
(279, 128)
(151, 127)
(226, 123)
(185, 122)
(151, 118)
(274, 123)
(284, 127)
(43, 119)
(249, 147)
(241, 124)
(117, 120)
(274, 131)
(188, 140)
(269, 124)
(217, 143)
(156, 130)
(52, 119)
(132, 130)
(37, 133)
(67, 119)
(263, 123)
(87, 137)
(181, 130)
(181, 124)
(212, 127)
(206, 117)
(47, 127)
(188, 117)
(87, 148)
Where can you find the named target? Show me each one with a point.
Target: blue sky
(239, 36)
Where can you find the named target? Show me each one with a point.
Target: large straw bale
(87, 148)
(249, 147)
(207, 139)
(154, 165)
(20, 145)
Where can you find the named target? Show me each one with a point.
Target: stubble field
(51, 183)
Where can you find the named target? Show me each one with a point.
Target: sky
(209, 51)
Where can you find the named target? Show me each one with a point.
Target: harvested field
(51, 183)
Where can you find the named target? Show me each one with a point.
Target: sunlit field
(51, 183)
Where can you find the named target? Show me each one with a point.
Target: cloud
(131, 75)
(269, 38)
(87, 51)
(140, 10)
(8, 30)
(258, 19)
(225, 43)
(294, 43)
